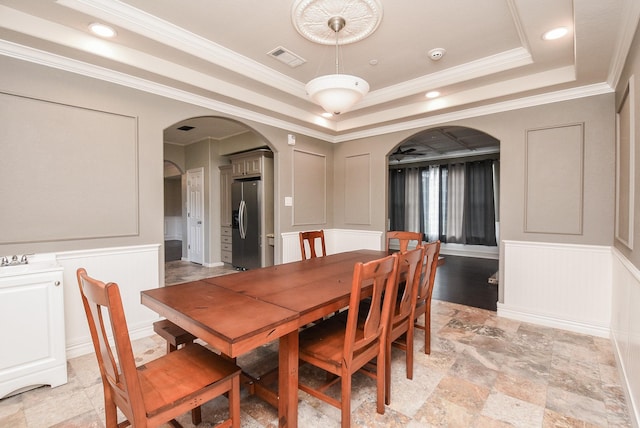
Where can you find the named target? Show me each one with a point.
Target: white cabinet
(225, 245)
(247, 165)
(225, 213)
(31, 327)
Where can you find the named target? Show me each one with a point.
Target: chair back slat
(409, 269)
(103, 307)
(381, 274)
(430, 263)
(310, 239)
(403, 238)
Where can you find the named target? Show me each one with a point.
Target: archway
(207, 143)
(444, 182)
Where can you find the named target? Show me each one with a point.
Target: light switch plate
(288, 201)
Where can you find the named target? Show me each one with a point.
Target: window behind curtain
(454, 203)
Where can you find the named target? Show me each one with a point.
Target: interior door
(195, 215)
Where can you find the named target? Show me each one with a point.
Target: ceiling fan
(399, 154)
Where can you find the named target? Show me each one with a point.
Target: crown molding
(88, 70)
(492, 64)
(532, 101)
(164, 32)
(631, 19)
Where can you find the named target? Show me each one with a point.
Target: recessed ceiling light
(556, 33)
(102, 30)
(432, 94)
(327, 114)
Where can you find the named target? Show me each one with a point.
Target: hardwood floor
(464, 280)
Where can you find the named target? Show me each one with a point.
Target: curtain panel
(455, 202)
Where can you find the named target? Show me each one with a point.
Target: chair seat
(165, 381)
(324, 340)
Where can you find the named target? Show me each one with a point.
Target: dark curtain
(396, 199)
(478, 221)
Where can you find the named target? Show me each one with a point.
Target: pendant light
(337, 93)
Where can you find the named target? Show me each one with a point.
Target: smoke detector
(436, 54)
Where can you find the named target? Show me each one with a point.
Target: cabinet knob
(57, 283)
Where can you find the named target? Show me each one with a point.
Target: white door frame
(195, 215)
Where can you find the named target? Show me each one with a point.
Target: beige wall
(632, 68)
(154, 114)
(510, 128)
(172, 197)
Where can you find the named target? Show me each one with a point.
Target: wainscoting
(336, 241)
(133, 268)
(558, 285)
(587, 289)
(625, 328)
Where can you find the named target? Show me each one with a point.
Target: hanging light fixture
(321, 22)
(337, 93)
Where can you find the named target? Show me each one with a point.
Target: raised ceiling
(215, 53)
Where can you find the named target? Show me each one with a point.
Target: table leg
(288, 381)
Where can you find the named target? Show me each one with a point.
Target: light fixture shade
(337, 93)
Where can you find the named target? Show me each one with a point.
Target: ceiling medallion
(310, 18)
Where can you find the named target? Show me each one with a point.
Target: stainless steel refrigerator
(245, 227)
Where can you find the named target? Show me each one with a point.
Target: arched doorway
(208, 144)
(444, 182)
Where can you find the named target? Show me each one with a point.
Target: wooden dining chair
(403, 238)
(341, 348)
(425, 290)
(401, 321)
(160, 390)
(310, 238)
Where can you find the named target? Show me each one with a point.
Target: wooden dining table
(238, 313)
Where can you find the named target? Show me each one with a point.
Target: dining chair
(341, 348)
(158, 391)
(425, 290)
(310, 238)
(403, 238)
(401, 321)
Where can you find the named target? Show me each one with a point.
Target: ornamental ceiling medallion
(310, 18)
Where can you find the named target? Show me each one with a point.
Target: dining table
(240, 312)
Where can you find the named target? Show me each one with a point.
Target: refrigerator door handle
(243, 219)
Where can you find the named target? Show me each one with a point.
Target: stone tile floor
(483, 371)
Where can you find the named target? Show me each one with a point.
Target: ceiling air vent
(288, 57)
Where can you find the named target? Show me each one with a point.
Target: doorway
(207, 143)
(195, 215)
(444, 183)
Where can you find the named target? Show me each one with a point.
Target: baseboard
(477, 251)
(521, 314)
(214, 264)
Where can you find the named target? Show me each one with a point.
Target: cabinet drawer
(225, 231)
(226, 256)
(226, 240)
(226, 247)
